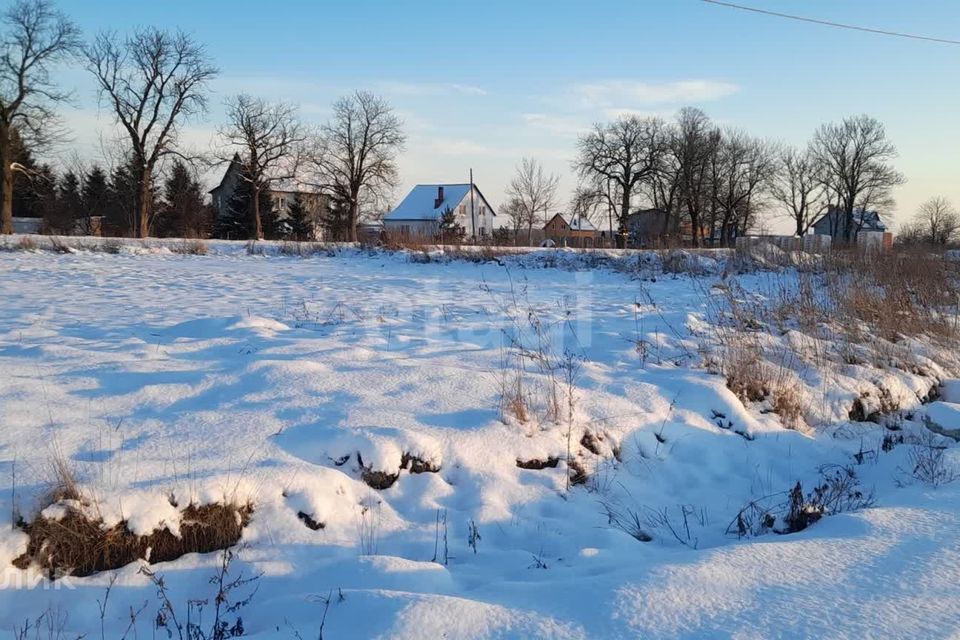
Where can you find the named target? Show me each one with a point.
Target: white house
(420, 212)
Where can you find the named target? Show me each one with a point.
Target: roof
(421, 203)
(276, 185)
(862, 220)
(576, 223)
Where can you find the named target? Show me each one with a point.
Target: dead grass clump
(63, 484)
(378, 480)
(81, 546)
(395, 241)
(928, 461)
(536, 464)
(309, 522)
(838, 490)
(787, 403)
(190, 247)
(747, 377)
(417, 464)
(298, 248)
(578, 472)
(592, 443)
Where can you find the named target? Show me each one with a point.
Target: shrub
(928, 462)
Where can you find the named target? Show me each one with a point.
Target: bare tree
(587, 203)
(515, 212)
(534, 190)
(798, 188)
(694, 144)
(354, 157)
(624, 153)
(36, 37)
(854, 157)
(742, 167)
(937, 222)
(153, 80)
(267, 138)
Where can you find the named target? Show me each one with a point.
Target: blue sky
(481, 84)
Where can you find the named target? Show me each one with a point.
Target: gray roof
(862, 220)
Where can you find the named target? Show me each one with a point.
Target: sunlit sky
(481, 84)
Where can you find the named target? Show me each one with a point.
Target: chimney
(439, 200)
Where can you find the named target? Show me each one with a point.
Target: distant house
(570, 231)
(867, 227)
(419, 214)
(281, 193)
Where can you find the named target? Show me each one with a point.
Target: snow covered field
(285, 381)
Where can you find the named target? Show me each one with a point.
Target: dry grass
(849, 308)
(190, 247)
(746, 372)
(63, 480)
(81, 546)
(891, 293)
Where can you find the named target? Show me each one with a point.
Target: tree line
(152, 82)
(715, 183)
(711, 183)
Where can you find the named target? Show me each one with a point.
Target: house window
(281, 203)
(483, 232)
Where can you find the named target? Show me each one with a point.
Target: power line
(828, 23)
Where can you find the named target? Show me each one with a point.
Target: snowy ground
(251, 377)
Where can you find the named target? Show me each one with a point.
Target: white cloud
(429, 88)
(610, 92)
(566, 126)
(465, 147)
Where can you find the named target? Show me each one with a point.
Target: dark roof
(864, 220)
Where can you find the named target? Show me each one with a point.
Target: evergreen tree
(335, 220)
(120, 205)
(68, 208)
(24, 198)
(234, 222)
(42, 199)
(122, 210)
(183, 213)
(94, 196)
(300, 220)
(450, 229)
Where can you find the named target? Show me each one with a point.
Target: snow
(421, 202)
(577, 223)
(236, 376)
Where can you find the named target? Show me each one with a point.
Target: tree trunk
(255, 213)
(695, 227)
(624, 213)
(6, 182)
(142, 204)
(354, 214)
(529, 234)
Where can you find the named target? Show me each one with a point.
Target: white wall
(483, 215)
